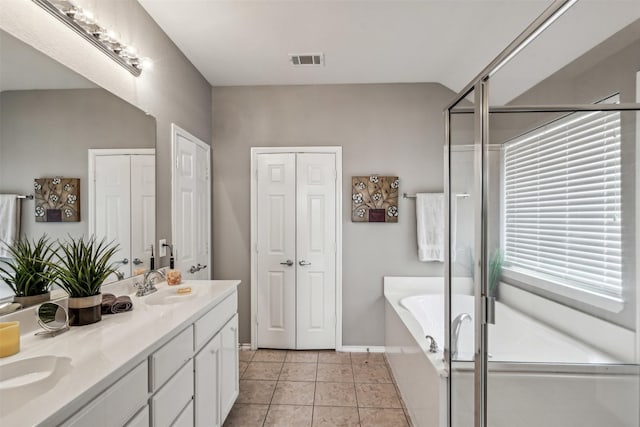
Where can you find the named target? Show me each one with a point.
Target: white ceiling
(24, 68)
(247, 42)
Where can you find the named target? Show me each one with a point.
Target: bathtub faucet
(455, 332)
(433, 345)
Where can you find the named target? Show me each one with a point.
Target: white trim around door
(254, 223)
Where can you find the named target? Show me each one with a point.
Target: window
(562, 208)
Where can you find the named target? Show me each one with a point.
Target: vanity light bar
(83, 22)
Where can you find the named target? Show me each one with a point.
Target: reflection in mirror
(53, 123)
(52, 318)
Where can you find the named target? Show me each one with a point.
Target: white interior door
(296, 250)
(191, 205)
(202, 213)
(276, 251)
(143, 208)
(113, 205)
(316, 251)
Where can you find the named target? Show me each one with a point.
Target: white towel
(9, 222)
(430, 226)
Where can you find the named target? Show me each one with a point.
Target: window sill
(613, 305)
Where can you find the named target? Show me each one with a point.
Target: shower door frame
(481, 110)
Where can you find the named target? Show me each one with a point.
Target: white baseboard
(362, 348)
(344, 348)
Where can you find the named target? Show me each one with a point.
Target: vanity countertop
(95, 356)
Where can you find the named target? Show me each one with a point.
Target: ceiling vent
(306, 59)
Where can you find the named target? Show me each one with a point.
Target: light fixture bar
(91, 31)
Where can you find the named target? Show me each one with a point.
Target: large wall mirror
(56, 124)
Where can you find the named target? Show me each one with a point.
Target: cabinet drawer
(167, 403)
(116, 405)
(185, 419)
(141, 419)
(209, 324)
(169, 358)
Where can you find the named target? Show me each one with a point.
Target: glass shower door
(461, 189)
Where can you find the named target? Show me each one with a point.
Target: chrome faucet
(433, 345)
(148, 285)
(455, 332)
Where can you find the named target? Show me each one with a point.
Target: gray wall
(46, 133)
(173, 91)
(387, 129)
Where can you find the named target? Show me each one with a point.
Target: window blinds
(562, 203)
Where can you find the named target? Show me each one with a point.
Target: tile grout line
(274, 390)
(315, 385)
(355, 391)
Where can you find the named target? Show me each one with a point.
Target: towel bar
(413, 196)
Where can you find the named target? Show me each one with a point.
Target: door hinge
(177, 163)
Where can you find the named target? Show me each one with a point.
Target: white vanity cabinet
(216, 376)
(116, 405)
(229, 383)
(207, 384)
(188, 376)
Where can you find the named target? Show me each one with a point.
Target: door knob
(287, 262)
(196, 268)
(124, 261)
(303, 262)
(137, 261)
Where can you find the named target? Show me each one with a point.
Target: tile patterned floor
(311, 388)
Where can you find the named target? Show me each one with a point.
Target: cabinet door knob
(303, 262)
(137, 261)
(287, 262)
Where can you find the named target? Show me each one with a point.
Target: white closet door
(143, 209)
(276, 268)
(316, 249)
(113, 205)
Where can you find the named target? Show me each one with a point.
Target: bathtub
(539, 376)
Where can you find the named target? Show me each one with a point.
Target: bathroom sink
(170, 296)
(29, 372)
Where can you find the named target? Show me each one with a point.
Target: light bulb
(146, 64)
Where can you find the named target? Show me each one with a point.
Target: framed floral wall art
(57, 199)
(374, 198)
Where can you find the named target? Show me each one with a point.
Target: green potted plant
(29, 272)
(495, 274)
(495, 271)
(83, 267)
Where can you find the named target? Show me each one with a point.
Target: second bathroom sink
(169, 296)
